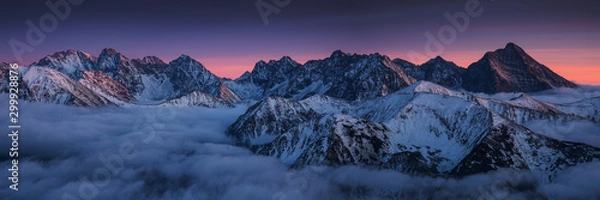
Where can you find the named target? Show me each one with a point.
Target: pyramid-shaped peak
(511, 45)
(439, 59)
(512, 48)
(511, 70)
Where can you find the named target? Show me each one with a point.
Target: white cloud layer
(182, 153)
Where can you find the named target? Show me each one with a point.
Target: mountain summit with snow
(424, 129)
(78, 78)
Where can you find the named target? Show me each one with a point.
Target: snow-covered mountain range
(113, 78)
(77, 78)
(347, 109)
(424, 128)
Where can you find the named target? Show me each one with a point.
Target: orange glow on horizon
(581, 66)
(578, 65)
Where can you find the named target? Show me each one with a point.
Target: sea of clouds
(183, 153)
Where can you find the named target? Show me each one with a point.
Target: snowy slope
(103, 83)
(50, 86)
(424, 128)
(510, 145)
(197, 99)
(417, 126)
(121, 80)
(72, 63)
(587, 108)
(523, 108)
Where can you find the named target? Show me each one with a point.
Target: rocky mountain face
(104, 85)
(511, 146)
(71, 63)
(511, 70)
(150, 80)
(355, 76)
(118, 80)
(120, 68)
(51, 86)
(425, 128)
(341, 75)
(436, 70)
(199, 99)
(187, 75)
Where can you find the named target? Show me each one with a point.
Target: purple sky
(229, 36)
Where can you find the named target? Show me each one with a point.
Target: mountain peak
(338, 53)
(511, 45)
(282, 60)
(260, 62)
(152, 60)
(62, 54)
(511, 70)
(438, 59)
(286, 58)
(109, 52)
(186, 60)
(403, 63)
(184, 57)
(509, 50)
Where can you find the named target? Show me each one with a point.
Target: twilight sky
(229, 36)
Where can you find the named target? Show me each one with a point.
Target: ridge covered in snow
(118, 80)
(424, 128)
